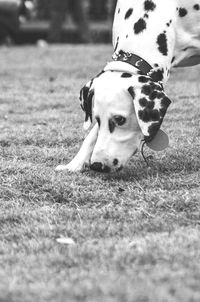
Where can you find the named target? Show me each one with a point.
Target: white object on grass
(66, 240)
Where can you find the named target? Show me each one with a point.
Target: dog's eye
(119, 120)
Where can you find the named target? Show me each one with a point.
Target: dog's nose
(99, 167)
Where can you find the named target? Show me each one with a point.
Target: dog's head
(128, 109)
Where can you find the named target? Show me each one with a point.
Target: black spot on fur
(84, 92)
(157, 75)
(148, 115)
(143, 79)
(182, 12)
(155, 115)
(156, 94)
(169, 23)
(111, 125)
(152, 85)
(86, 96)
(117, 43)
(162, 112)
(118, 11)
(153, 95)
(132, 92)
(139, 26)
(146, 89)
(140, 72)
(196, 7)
(173, 59)
(144, 115)
(143, 102)
(126, 36)
(146, 16)
(149, 5)
(150, 105)
(158, 87)
(128, 13)
(98, 121)
(162, 44)
(165, 102)
(153, 129)
(126, 75)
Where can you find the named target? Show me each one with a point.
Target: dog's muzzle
(99, 167)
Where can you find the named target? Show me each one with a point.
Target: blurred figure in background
(100, 10)
(42, 9)
(58, 11)
(113, 6)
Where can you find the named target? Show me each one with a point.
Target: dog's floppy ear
(86, 97)
(151, 105)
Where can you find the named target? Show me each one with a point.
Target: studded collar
(134, 60)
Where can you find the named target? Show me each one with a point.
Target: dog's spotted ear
(86, 97)
(151, 105)
(86, 100)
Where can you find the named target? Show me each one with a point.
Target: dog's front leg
(83, 156)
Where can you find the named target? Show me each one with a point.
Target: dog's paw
(71, 167)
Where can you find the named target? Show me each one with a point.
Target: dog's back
(162, 32)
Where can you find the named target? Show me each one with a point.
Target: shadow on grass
(171, 165)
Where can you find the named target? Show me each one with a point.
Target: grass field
(137, 233)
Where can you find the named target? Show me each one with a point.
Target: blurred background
(56, 21)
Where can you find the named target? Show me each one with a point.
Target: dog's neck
(119, 66)
(143, 66)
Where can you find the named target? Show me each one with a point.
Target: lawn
(137, 233)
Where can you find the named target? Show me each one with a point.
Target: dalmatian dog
(125, 104)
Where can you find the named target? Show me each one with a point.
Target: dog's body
(149, 38)
(164, 33)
